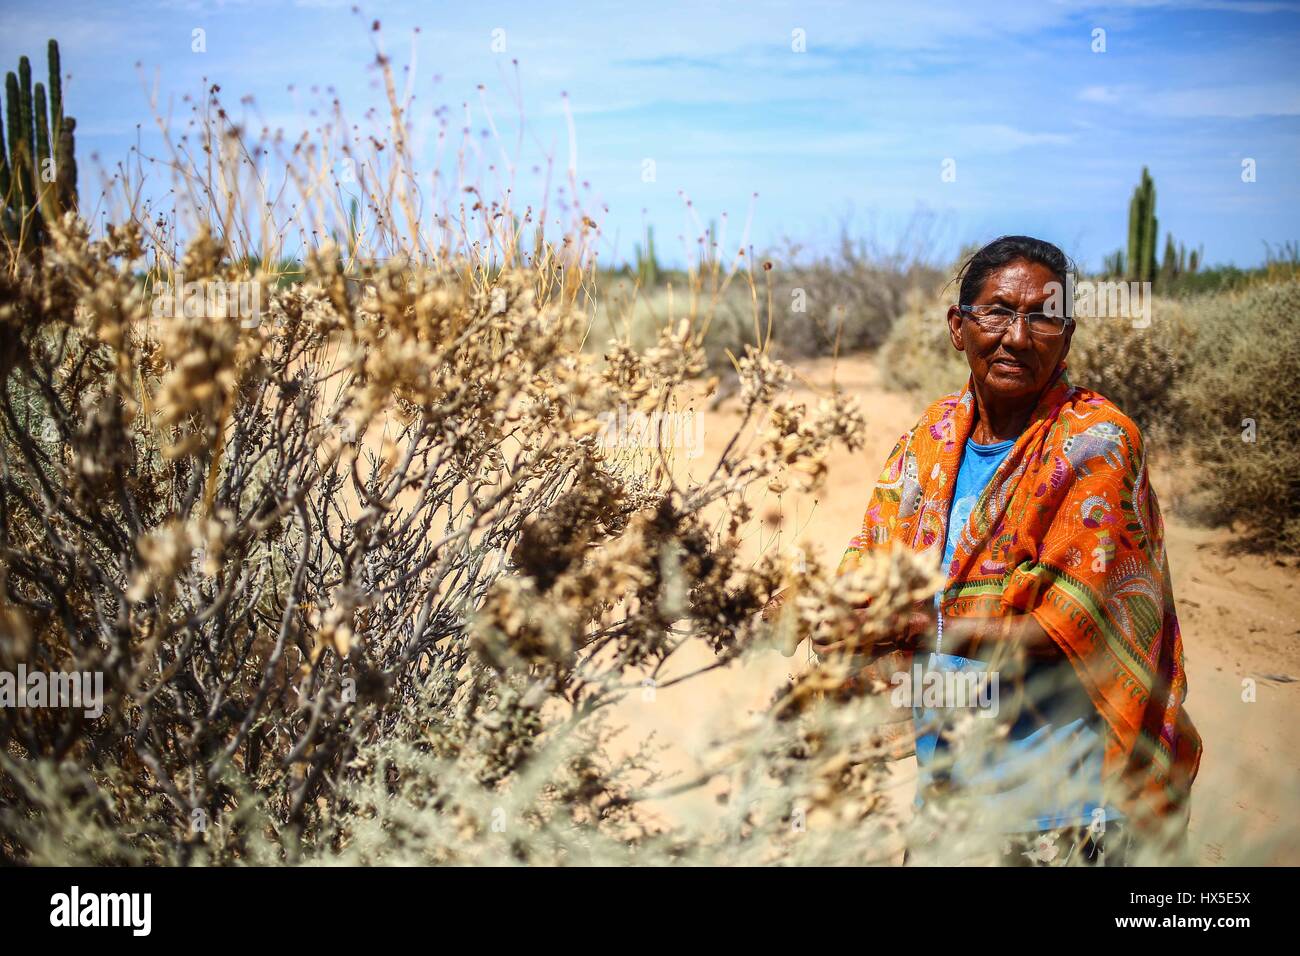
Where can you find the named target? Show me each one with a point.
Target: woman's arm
(975, 638)
(980, 638)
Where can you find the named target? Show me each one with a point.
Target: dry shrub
(359, 576)
(1137, 366)
(1195, 379)
(918, 356)
(729, 316)
(845, 302)
(370, 547)
(1237, 404)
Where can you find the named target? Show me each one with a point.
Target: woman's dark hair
(976, 270)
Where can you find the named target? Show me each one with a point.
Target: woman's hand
(907, 629)
(920, 621)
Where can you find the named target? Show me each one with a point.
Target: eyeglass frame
(1067, 321)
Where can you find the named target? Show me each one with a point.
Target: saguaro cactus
(1142, 230)
(38, 171)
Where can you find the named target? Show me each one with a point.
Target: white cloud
(1232, 102)
(1098, 94)
(1001, 138)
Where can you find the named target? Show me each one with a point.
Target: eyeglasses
(996, 319)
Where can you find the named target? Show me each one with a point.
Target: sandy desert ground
(1240, 615)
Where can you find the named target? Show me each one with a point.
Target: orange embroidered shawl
(1068, 530)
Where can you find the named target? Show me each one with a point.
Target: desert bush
(918, 356)
(1236, 399)
(843, 302)
(785, 302)
(374, 527)
(1137, 366)
(728, 318)
(794, 306)
(358, 573)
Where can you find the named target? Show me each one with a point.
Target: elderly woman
(1032, 494)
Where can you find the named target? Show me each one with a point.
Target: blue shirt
(1046, 772)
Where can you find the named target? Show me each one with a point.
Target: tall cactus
(16, 198)
(1113, 264)
(56, 86)
(38, 172)
(25, 94)
(1176, 263)
(66, 157)
(1142, 230)
(647, 266)
(46, 189)
(354, 222)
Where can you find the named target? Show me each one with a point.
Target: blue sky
(1047, 136)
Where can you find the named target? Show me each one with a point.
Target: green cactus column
(25, 98)
(1142, 230)
(38, 166)
(62, 141)
(46, 188)
(56, 87)
(647, 266)
(19, 150)
(67, 160)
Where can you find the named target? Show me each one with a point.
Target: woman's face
(1014, 364)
